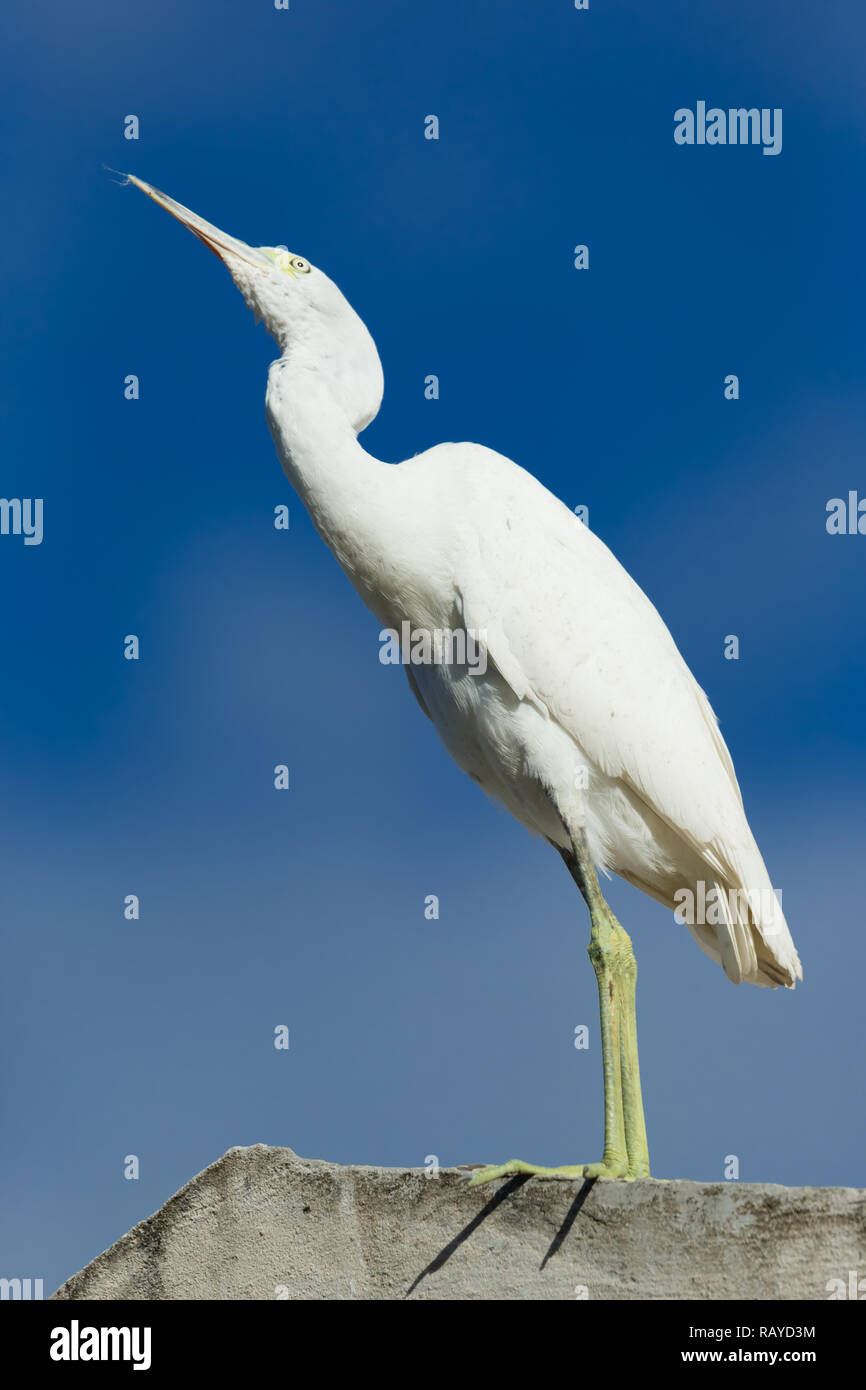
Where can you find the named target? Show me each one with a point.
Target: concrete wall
(263, 1223)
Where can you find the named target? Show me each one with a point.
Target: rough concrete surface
(263, 1223)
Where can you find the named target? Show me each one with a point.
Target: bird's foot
(606, 1169)
(609, 1168)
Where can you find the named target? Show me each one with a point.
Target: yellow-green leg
(632, 1100)
(625, 1145)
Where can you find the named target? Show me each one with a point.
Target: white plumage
(586, 723)
(584, 674)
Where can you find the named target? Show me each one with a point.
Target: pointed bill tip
(123, 179)
(119, 178)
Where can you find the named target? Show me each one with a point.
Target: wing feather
(584, 643)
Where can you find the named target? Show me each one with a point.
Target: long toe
(533, 1170)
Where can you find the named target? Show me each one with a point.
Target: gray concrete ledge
(263, 1223)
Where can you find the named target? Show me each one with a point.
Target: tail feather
(752, 936)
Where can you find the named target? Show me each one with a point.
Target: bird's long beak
(219, 242)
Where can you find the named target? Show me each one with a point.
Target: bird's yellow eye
(284, 260)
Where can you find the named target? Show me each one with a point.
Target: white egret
(585, 721)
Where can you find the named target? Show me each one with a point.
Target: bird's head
(301, 308)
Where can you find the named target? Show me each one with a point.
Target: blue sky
(306, 908)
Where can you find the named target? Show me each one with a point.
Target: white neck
(348, 493)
